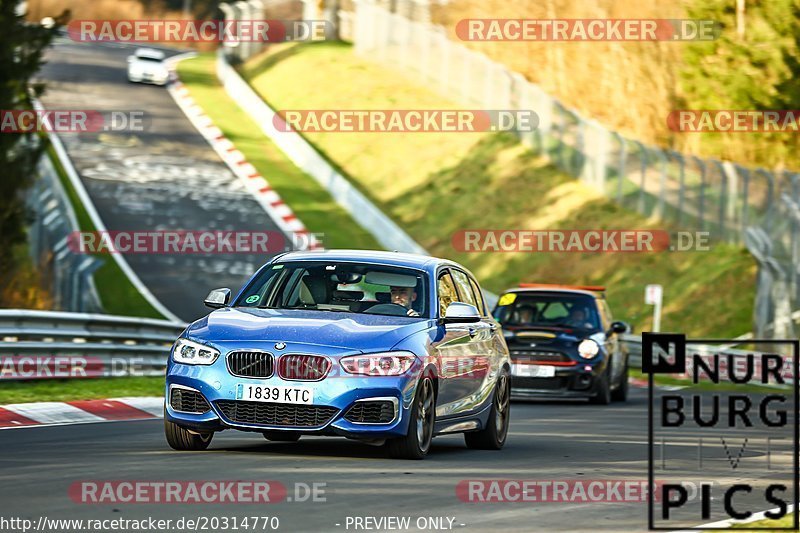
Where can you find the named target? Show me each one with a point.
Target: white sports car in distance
(147, 66)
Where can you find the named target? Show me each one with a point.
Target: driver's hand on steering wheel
(411, 312)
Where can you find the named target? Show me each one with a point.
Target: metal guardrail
(634, 343)
(83, 196)
(32, 343)
(72, 274)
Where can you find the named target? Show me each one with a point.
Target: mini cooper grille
(375, 412)
(188, 401)
(276, 414)
(303, 367)
(538, 383)
(250, 364)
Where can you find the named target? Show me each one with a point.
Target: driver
(525, 315)
(404, 296)
(577, 319)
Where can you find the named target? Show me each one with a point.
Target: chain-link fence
(733, 203)
(703, 194)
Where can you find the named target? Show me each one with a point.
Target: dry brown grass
(627, 86)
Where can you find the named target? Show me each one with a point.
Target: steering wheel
(388, 309)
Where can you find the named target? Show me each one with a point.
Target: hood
(351, 331)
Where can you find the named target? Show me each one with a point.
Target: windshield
(149, 59)
(573, 311)
(342, 287)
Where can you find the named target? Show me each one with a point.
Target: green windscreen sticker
(252, 299)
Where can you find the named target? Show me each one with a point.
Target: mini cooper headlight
(588, 348)
(193, 353)
(378, 364)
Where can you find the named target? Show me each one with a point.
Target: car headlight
(588, 348)
(378, 364)
(193, 353)
(508, 334)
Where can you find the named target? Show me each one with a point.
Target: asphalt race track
(165, 177)
(548, 441)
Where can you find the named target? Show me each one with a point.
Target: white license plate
(533, 371)
(264, 393)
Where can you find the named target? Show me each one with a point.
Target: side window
(447, 292)
(605, 314)
(479, 297)
(464, 289)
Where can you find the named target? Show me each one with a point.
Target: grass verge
(63, 390)
(309, 200)
(117, 294)
(435, 184)
(785, 522)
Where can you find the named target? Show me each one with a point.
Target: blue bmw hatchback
(377, 346)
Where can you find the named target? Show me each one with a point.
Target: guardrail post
(81, 283)
(662, 185)
(230, 48)
(733, 214)
(256, 13)
(244, 14)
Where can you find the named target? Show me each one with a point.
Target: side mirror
(461, 313)
(618, 327)
(218, 298)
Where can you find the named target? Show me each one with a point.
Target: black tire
(493, 436)
(181, 439)
(621, 394)
(603, 394)
(280, 436)
(417, 441)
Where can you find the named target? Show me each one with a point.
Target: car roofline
(518, 290)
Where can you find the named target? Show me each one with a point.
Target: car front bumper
(337, 392)
(578, 381)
